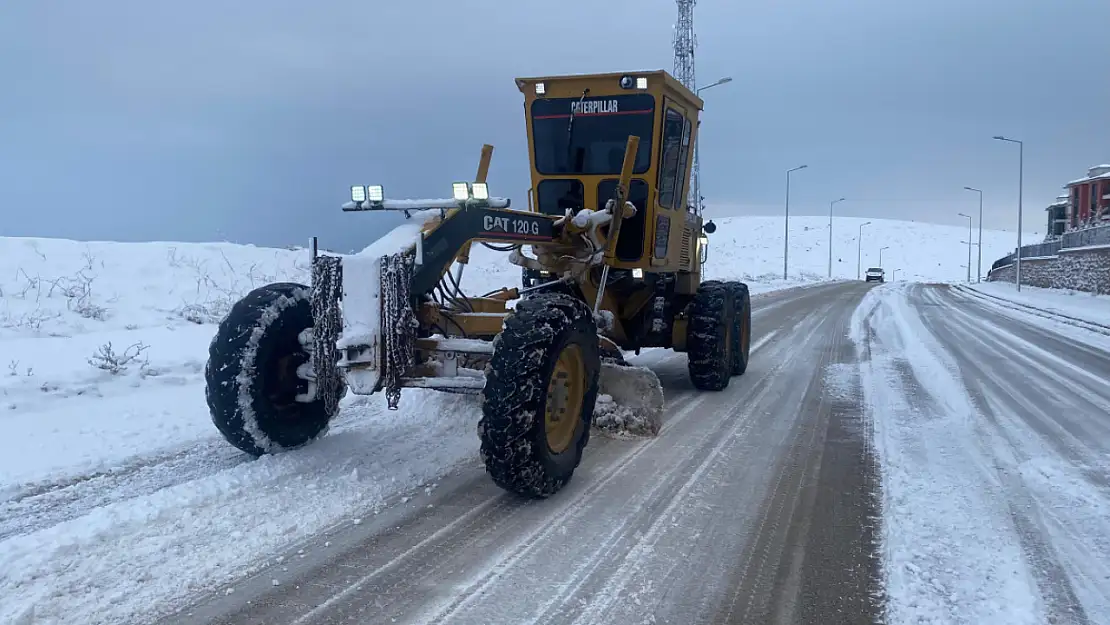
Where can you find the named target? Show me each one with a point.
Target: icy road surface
(905, 452)
(992, 427)
(753, 505)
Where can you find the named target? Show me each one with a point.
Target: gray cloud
(247, 121)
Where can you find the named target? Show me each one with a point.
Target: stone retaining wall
(1079, 269)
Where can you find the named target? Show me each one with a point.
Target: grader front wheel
(541, 387)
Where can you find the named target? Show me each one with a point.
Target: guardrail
(1049, 248)
(1002, 262)
(1098, 235)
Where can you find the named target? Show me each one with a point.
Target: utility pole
(1021, 181)
(697, 148)
(830, 234)
(979, 265)
(859, 251)
(786, 238)
(969, 232)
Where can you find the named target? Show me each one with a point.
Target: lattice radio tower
(684, 44)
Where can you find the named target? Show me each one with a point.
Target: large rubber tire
(742, 328)
(251, 374)
(515, 446)
(708, 335)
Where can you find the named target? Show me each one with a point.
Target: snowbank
(1077, 304)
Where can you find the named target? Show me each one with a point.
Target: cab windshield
(588, 135)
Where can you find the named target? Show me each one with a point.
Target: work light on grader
(616, 253)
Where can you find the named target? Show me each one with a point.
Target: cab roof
(670, 82)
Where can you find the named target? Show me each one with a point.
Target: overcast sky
(248, 120)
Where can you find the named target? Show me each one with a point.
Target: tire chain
(399, 321)
(327, 322)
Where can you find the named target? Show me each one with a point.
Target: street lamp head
(1001, 138)
(963, 215)
(973, 189)
(713, 84)
(842, 199)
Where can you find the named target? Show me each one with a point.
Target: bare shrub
(106, 359)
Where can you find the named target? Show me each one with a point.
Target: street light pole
(697, 148)
(786, 237)
(979, 264)
(881, 254)
(859, 251)
(969, 232)
(830, 234)
(1021, 181)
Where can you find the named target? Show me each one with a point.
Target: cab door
(672, 185)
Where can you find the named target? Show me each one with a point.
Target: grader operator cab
(613, 251)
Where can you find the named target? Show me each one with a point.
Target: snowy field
(118, 498)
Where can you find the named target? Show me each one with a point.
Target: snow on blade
(630, 401)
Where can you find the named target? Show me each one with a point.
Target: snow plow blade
(629, 402)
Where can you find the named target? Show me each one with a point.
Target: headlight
(637, 273)
(375, 193)
(540, 89)
(358, 194)
(641, 82)
(460, 191)
(480, 191)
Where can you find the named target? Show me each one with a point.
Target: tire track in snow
(514, 551)
(46, 504)
(951, 551)
(662, 490)
(1013, 402)
(768, 582)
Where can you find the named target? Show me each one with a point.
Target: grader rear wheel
(710, 336)
(742, 324)
(541, 387)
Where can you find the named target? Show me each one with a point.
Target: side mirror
(709, 227)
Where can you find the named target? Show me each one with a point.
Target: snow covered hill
(107, 439)
(752, 247)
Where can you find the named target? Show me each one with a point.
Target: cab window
(674, 160)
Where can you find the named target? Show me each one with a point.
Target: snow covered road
(752, 505)
(993, 431)
(904, 451)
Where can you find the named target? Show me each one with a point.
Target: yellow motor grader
(613, 252)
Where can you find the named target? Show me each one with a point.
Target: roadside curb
(1039, 312)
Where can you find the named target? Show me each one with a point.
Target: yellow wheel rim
(565, 392)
